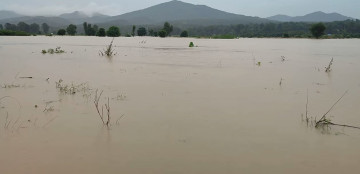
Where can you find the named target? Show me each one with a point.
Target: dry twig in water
(325, 121)
(328, 68)
(107, 107)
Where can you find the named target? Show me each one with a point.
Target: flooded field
(224, 106)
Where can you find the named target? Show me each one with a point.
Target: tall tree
(168, 28)
(96, 29)
(71, 29)
(151, 32)
(34, 28)
(22, 26)
(133, 30)
(85, 25)
(45, 27)
(317, 30)
(141, 31)
(89, 29)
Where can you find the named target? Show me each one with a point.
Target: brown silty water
(209, 109)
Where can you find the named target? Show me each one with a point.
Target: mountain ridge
(318, 16)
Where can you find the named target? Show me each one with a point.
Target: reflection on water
(207, 109)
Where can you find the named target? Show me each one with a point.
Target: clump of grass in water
(108, 51)
(72, 88)
(57, 50)
(283, 58)
(9, 86)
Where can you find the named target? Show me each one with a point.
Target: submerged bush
(57, 50)
(191, 44)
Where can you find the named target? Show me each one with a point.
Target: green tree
(101, 32)
(22, 26)
(168, 28)
(85, 26)
(133, 30)
(89, 29)
(317, 30)
(151, 32)
(1, 27)
(71, 29)
(141, 31)
(34, 28)
(113, 32)
(162, 33)
(96, 28)
(61, 32)
(45, 27)
(184, 34)
(9, 26)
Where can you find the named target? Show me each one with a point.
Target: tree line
(339, 29)
(33, 28)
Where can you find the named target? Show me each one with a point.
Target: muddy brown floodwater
(209, 109)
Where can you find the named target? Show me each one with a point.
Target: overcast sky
(261, 8)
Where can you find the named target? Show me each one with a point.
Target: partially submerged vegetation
(328, 68)
(72, 88)
(105, 118)
(109, 50)
(324, 121)
(57, 50)
(191, 44)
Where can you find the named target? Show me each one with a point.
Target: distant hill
(79, 17)
(312, 17)
(8, 14)
(74, 15)
(184, 13)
